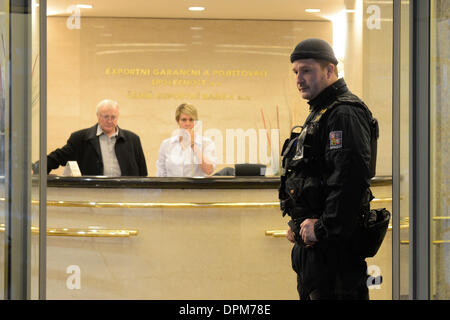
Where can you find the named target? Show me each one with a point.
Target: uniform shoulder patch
(335, 139)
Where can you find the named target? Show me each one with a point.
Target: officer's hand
(290, 235)
(307, 231)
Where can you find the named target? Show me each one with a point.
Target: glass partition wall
(125, 241)
(376, 80)
(236, 72)
(234, 68)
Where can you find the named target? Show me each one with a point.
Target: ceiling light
(350, 10)
(84, 6)
(196, 8)
(312, 10)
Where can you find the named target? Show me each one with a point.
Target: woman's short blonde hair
(188, 109)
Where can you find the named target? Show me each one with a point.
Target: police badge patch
(335, 139)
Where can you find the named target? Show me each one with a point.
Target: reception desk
(177, 238)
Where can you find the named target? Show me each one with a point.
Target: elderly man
(103, 149)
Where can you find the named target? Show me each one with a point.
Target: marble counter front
(182, 238)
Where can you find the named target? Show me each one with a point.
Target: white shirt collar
(100, 131)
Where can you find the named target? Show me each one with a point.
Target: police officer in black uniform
(327, 168)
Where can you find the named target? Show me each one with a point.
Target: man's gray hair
(107, 102)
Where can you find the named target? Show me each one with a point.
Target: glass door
(19, 133)
(4, 102)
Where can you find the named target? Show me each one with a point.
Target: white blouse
(177, 159)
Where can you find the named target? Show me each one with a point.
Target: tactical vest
(301, 191)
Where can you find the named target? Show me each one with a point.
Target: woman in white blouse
(186, 154)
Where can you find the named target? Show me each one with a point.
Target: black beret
(314, 49)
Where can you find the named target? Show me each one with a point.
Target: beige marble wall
(233, 71)
(377, 70)
(240, 70)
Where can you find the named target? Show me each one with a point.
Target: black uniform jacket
(83, 146)
(345, 135)
(344, 142)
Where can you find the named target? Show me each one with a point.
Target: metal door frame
(18, 179)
